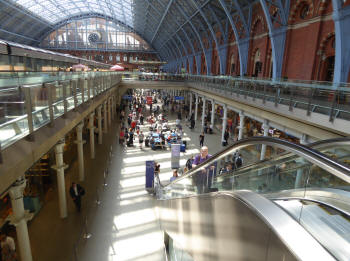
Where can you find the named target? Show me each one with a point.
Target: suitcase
(183, 148)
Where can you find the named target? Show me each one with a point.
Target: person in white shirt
(7, 241)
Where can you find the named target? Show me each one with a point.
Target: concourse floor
(124, 225)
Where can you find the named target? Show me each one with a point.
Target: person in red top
(121, 136)
(133, 125)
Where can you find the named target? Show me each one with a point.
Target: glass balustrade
(50, 95)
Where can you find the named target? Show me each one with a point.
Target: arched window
(94, 34)
(257, 64)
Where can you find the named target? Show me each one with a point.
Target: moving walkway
(294, 205)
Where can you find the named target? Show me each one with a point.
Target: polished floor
(124, 225)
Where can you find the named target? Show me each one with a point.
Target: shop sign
(127, 97)
(179, 98)
(149, 100)
(149, 173)
(175, 156)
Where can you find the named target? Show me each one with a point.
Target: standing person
(192, 123)
(141, 119)
(203, 177)
(175, 175)
(141, 137)
(76, 192)
(226, 136)
(239, 161)
(8, 248)
(201, 140)
(121, 136)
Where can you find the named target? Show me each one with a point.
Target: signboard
(149, 174)
(179, 98)
(149, 100)
(175, 156)
(127, 97)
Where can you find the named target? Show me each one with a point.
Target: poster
(149, 100)
(149, 174)
(175, 156)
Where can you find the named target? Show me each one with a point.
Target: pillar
(60, 167)
(203, 111)
(212, 113)
(196, 108)
(109, 111)
(266, 128)
(80, 142)
(92, 135)
(191, 98)
(19, 219)
(99, 122)
(241, 125)
(105, 117)
(224, 123)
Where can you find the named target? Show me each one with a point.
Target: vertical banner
(175, 156)
(149, 100)
(149, 174)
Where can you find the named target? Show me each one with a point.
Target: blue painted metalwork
(341, 17)
(195, 31)
(214, 38)
(223, 32)
(277, 33)
(198, 58)
(243, 45)
(161, 21)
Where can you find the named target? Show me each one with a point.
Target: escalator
(294, 205)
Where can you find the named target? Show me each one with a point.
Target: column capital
(80, 126)
(59, 146)
(17, 188)
(99, 109)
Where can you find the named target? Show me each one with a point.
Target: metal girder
(241, 15)
(189, 18)
(177, 47)
(212, 33)
(218, 22)
(172, 50)
(162, 19)
(341, 17)
(277, 35)
(182, 44)
(243, 46)
(18, 35)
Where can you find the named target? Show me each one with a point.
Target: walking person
(8, 248)
(201, 140)
(141, 137)
(76, 192)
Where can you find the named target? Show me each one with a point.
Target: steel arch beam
(162, 19)
(277, 34)
(341, 17)
(213, 35)
(243, 45)
(197, 34)
(218, 22)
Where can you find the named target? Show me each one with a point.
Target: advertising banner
(175, 156)
(179, 98)
(149, 174)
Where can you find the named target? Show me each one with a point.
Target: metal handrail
(323, 161)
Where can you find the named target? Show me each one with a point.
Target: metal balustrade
(29, 101)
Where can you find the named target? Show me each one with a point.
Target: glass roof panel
(54, 11)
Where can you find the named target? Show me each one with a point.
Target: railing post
(311, 93)
(291, 98)
(49, 86)
(82, 86)
(334, 101)
(277, 95)
(65, 102)
(29, 111)
(74, 88)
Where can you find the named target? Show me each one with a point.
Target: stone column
(99, 122)
(191, 98)
(241, 125)
(224, 123)
(19, 219)
(266, 128)
(109, 111)
(212, 112)
(196, 108)
(60, 167)
(203, 112)
(92, 135)
(80, 142)
(105, 128)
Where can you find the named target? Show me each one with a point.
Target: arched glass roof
(55, 11)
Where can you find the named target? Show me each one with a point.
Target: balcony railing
(29, 101)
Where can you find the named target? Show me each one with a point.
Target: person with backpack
(203, 177)
(239, 161)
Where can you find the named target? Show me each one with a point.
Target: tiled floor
(124, 225)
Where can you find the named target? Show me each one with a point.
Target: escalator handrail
(323, 161)
(315, 145)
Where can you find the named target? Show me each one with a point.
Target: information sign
(175, 156)
(149, 174)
